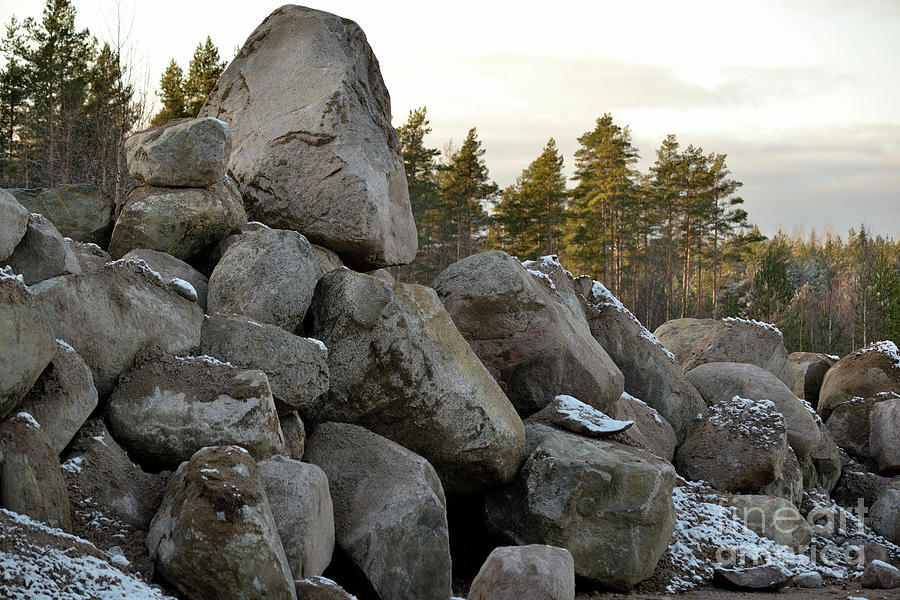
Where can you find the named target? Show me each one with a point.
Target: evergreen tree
(772, 289)
(421, 177)
(466, 190)
(171, 92)
(203, 72)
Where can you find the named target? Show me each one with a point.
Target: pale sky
(803, 95)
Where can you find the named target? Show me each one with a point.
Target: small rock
(768, 577)
(880, 575)
(811, 580)
(534, 572)
(571, 414)
(320, 588)
(294, 434)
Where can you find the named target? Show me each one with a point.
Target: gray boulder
(181, 153)
(716, 381)
(31, 482)
(741, 447)
(63, 397)
(314, 149)
(826, 460)
(90, 256)
(294, 435)
(78, 210)
(743, 341)
(389, 511)
(26, 340)
(768, 577)
(328, 260)
(400, 368)
(167, 408)
(320, 588)
(885, 515)
(267, 275)
(884, 436)
(808, 369)
(114, 314)
(13, 224)
(609, 505)
(183, 222)
(851, 424)
(650, 431)
(880, 575)
(526, 334)
(297, 367)
(214, 535)
(42, 253)
(570, 414)
(301, 505)
(532, 572)
(773, 518)
(681, 336)
(862, 374)
(171, 268)
(650, 370)
(788, 485)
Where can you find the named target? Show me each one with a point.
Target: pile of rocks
(229, 411)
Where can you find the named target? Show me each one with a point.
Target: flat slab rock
(769, 577)
(571, 414)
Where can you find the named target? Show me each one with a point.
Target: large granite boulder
(26, 340)
(314, 149)
(650, 431)
(741, 447)
(808, 369)
(78, 210)
(90, 256)
(63, 397)
(43, 253)
(650, 370)
(171, 268)
(181, 153)
(167, 408)
(526, 334)
(717, 381)
(884, 436)
(268, 275)
(885, 515)
(609, 505)
(113, 315)
(400, 368)
(681, 336)
(214, 535)
(743, 341)
(772, 518)
(301, 505)
(13, 224)
(389, 511)
(183, 222)
(862, 374)
(31, 482)
(297, 367)
(851, 422)
(533, 572)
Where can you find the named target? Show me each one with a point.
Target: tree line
(672, 242)
(68, 102)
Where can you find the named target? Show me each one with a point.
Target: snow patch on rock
(762, 324)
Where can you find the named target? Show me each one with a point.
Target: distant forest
(672, 242)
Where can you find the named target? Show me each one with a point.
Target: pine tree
(421, 177)
(203, 72)
(171, 92)
(466, 190)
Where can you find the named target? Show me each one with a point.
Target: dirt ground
(825, 593)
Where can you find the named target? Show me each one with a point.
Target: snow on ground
(762, 324)
(41, 563)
